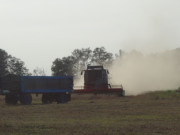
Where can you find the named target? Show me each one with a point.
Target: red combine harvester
(96, 82)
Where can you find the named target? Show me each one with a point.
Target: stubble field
(156, 113)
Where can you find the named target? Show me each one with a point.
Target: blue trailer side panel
(46, 84)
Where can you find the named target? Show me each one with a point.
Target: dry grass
(148, 114)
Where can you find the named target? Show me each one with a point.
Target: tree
(101, 56)
(16, 66)
(3, 62)
(63, 66)
(82, 58)
(11, 65)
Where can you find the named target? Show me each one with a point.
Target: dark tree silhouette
(3, 63)
(16, 66)
(63, 66)
(101, 56)
(82, 58)
(79, 59)
(11, 65)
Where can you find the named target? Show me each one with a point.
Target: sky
(39, 31)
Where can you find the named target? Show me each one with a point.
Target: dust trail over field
(141, 73)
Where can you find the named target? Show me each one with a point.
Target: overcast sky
(38, 31)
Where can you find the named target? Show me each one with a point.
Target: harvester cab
(95, 77)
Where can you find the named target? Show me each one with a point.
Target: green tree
(82, 58)
(63, 66)
(3, 62)
(101, 57)
(16, 66)
(79, 59)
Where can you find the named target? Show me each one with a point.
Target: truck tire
(63, 98)
(44, 99)
(11, 99)
(69, 97)
(25, 99)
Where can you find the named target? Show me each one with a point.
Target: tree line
(70, 65)
(79, 59)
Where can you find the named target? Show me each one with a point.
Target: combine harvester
(96, 82)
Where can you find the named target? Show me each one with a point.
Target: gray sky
(38, 31)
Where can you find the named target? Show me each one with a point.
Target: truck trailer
(19, 88)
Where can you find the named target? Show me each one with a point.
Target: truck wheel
(69, 97)
(63, 98)
(11, 99)
(44, 99)
(25, 99)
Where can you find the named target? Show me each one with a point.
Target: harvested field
(155, 113)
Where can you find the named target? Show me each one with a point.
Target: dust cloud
(79, 81)
(140, 73)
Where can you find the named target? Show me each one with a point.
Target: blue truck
(19, 88)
